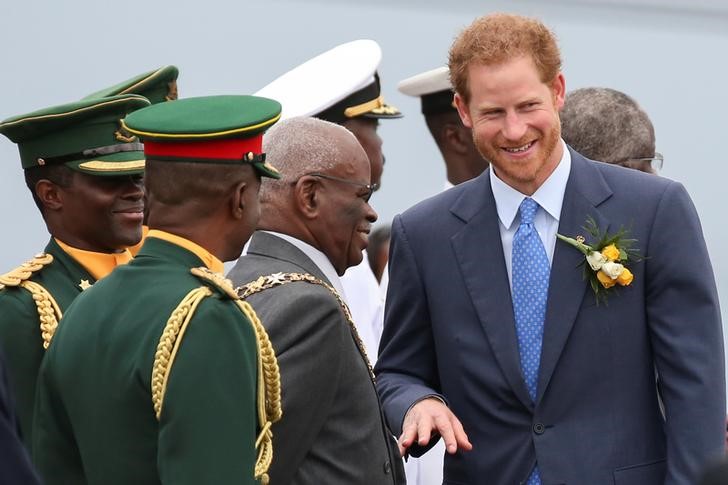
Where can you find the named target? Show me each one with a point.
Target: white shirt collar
(550, 195)
(318, 258)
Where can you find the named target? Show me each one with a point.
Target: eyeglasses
(371, 188)
(656, 162)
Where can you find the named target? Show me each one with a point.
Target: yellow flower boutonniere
(605, 262)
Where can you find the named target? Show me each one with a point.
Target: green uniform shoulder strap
(269, 378)
(49, 313)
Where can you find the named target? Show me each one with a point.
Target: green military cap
(209, 129)
(157, 86)
(86, 136)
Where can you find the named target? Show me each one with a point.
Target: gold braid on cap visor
(376, 106)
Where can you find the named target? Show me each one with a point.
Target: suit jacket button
(387, 467)
(539, 428)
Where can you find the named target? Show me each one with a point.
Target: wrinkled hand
(430, 415)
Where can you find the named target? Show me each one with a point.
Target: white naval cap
(337, 85)
(433, 88)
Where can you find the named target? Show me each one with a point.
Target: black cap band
(439, 102)
(92, 153)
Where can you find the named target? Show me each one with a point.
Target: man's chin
(354, 261)
(128, 240)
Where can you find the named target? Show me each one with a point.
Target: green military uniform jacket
(63, 278)
(95, 419)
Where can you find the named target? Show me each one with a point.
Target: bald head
(300, 146)
(607, 125)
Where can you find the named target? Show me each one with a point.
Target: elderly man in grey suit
(314, 224)
(491, 327)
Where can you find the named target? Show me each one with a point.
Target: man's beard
(546, 144)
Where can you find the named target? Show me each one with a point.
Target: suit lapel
(479, 252)
(269, 245)
(585, 190)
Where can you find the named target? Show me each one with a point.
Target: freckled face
(515, 120)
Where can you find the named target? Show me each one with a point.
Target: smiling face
(515, 121)
(102, 214)
(345, 216)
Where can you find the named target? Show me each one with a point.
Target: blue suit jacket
(449, 330)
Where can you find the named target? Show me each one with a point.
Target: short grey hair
(300, 145)
(607, 125)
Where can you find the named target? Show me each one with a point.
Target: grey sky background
(667, 54)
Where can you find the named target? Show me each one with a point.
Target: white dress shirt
(318, 258)
(549, 196)
(366, 304)
(428, 469)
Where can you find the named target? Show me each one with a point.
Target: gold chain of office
(279, 279)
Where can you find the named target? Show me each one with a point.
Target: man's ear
(463, 111)
(306, 196)
(558, 87)
(237, 202)
(49, 194)
(455, 136)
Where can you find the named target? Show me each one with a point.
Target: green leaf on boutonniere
(605, 261)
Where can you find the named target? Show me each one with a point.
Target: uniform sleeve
(307, 329)
(57, 458)
(406, 369)
(208, 423)
(686, 334)
(21, 341)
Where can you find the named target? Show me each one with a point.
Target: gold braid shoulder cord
(278, 279)
(49, 313)
(269, 382)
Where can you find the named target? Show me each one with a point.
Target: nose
(133, 187)
(514, 127)
(370, 214)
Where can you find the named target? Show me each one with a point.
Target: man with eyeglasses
(342, 85)
(314, 225)
(607, 125)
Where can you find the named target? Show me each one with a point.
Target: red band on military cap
(222, 149)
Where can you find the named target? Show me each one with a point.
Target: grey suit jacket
(449, 329)
(333, 430)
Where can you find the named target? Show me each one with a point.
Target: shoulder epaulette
(25, 270)
(269, 382)
(49, 313)
(218, 281)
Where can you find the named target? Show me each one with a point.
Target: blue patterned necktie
(530, 274)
